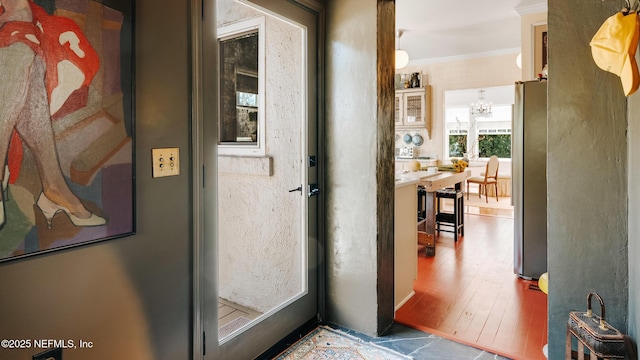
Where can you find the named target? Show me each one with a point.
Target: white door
(259, 271)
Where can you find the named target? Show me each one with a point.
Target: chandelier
(402, 57)
(481, 108)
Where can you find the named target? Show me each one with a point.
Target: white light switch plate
(165, 162)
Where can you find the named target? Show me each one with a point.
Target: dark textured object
(592, 331)
(428, 241)
(415, 80)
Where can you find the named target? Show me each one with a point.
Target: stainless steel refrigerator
(529, 178)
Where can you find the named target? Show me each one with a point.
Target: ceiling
(439, 30)
(496, 95)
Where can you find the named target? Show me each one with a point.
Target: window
(457, 143)
(479, 137)
(241, 88)
(495, 142)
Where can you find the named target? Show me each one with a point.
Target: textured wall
(351, 164)
(131, 295)
(634, 214)
(358, 140)
(260, 224)
(586, 172)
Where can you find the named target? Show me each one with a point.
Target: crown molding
(464, 57)
(527, 7)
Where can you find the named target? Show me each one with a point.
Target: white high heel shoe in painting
(50, 209)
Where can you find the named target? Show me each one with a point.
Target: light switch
(165, 162)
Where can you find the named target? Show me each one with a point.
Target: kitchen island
(406, 223)
(405, 239)
(432, 183)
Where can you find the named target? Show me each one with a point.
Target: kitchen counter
(403, 164)
(405, 181)
(412, 177)
(423, 161)
(406, 224)
(442, 179)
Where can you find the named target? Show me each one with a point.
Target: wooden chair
(490, 178)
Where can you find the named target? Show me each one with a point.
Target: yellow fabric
(614, 46)
(480, 179)
(543, 283)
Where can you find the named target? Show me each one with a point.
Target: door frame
(204, 166)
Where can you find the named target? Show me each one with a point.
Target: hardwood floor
(468, 292)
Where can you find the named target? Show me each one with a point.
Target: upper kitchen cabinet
(413, 108)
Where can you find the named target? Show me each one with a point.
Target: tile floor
(413, 343)
(420, 345)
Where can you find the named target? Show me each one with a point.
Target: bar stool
(452, 222)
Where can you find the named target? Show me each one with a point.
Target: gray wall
(132, 296)
(633, 134)
(587, 169)
(359, 153)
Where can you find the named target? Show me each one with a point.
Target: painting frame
(81, 70)
(539, 49)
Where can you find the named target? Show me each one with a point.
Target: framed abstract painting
(66, 124)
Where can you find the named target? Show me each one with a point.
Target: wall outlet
(165, 162)
(51, 354)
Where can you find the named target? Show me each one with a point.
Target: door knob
(313, 190)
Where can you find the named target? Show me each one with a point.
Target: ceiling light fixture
(481, 108)
(402, 57)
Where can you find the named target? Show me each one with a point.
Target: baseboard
(404, 301)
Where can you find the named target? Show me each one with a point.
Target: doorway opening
(467, 291)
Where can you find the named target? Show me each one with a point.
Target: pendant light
(402, 57)
(481, 108)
